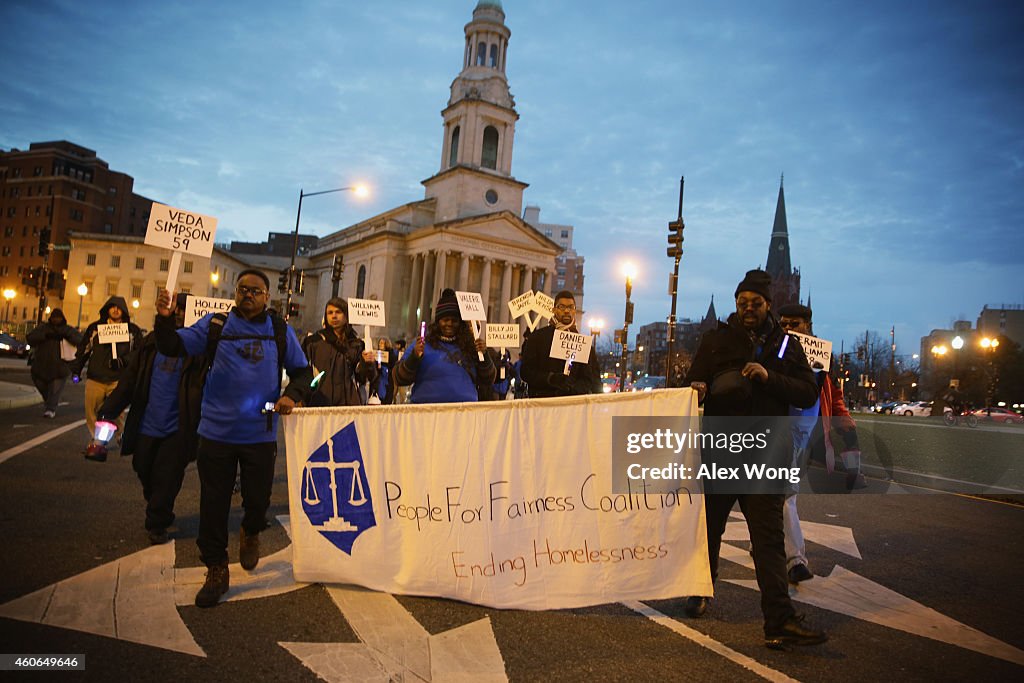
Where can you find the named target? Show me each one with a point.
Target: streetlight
(629, 270)
(595, 325)
(82, 291)
(214, 279)
(359, 190)
(957, 344)
(8, 294)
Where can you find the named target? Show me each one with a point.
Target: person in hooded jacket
(49, 369)
(341, 356)
(445, 366)
(102, 369)
(160, 430)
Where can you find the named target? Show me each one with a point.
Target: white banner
(457, 501)
(198, 306)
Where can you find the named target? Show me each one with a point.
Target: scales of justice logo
(335, 491)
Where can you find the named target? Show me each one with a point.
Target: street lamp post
(990, 345)
(630, 272)
(595, 325)
(9, 294)
(360, 191)
(82, 291)
(957, 344)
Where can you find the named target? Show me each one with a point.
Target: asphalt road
(937, 564)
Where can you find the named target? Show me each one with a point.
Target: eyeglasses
(790, 323)
(562, 307)
(255, 291)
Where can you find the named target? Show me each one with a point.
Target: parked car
(999, 415)
(610, 385)
(913, 408)
(885, 408)
(648, 383)
(9, 346)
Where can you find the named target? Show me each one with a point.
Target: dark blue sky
(899, 127)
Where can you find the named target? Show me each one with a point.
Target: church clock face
(782, 247)
(491, 197)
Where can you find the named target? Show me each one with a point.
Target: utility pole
(675, 250)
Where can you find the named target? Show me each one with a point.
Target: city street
(910, 587)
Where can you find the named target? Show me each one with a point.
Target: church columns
(425, 300)
(463, 272)
(439, 272)
(527, 278)
(485, 284)
(415, 289)
(506, 291)
(549, 282)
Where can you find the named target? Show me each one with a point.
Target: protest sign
(816, 349)
(366, 312)
(183, 232)
(112, 333)
(472, 308)
(198, 306)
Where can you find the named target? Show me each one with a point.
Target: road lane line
(703, 640)
(42, 438)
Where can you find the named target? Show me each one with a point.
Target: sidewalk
(17, 396)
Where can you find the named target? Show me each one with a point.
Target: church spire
(778, 249)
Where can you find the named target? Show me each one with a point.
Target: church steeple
(778, 250)
(479, 125)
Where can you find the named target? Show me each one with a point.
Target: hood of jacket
(119, 302)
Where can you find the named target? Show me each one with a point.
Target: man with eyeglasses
(545, 376)
(750, 368)
(235, 432)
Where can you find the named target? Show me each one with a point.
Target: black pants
(50, 390)
(160, 463)
(218, 463)
(763, 513)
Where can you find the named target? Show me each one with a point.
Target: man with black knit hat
(750, 367)
(546, 376)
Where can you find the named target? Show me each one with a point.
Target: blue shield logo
(335, 491)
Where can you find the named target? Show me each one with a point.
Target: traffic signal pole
(675, 250)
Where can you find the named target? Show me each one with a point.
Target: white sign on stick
(113, 333)
(567, 345)
(198, 306)
(521, 304)
(816, 349)
(179, 230)
(503, 336)
(366, 312)
(544, 304)
(471, 306)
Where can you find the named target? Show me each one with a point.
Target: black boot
(217, 583)
(696, 606)
(793, 632)
(248, 549)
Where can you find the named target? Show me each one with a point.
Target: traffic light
(44, 241)
(51, 280)
(293, 310)
(282, 281)
(302, 279)
(846, 359)
(629, 312)
(675, 239)
(338, 268)
(30, 277)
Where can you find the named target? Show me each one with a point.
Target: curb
(18, 396)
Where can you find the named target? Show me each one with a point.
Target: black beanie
(796, 311)
(756, 281)
(447, 305)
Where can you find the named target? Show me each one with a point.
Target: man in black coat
(49, 369)
(750, 368)
(545, 376)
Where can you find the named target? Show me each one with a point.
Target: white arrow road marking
(706, 641)
(396, 646)
(849, 593)
(131, 598)
(829, 535)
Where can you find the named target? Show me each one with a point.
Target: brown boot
(217, 583)
(248, 550)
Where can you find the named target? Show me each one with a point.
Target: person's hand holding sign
(284, 406)
(164, 303)
(481, 345)
(420, 345)
(755, 371)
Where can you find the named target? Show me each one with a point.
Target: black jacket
(543, 374)
(102, 367)
(133, 389)
(343, 367)
(730, 347)
(45, 339)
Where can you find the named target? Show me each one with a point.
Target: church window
(489, 158)
(491, 197)
(361, 282)
(453, 155)
(481, 53)
(494, 55)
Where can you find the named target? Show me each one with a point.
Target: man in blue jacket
(234, 431)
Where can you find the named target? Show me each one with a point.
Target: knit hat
(756, 281)
(447, 306)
